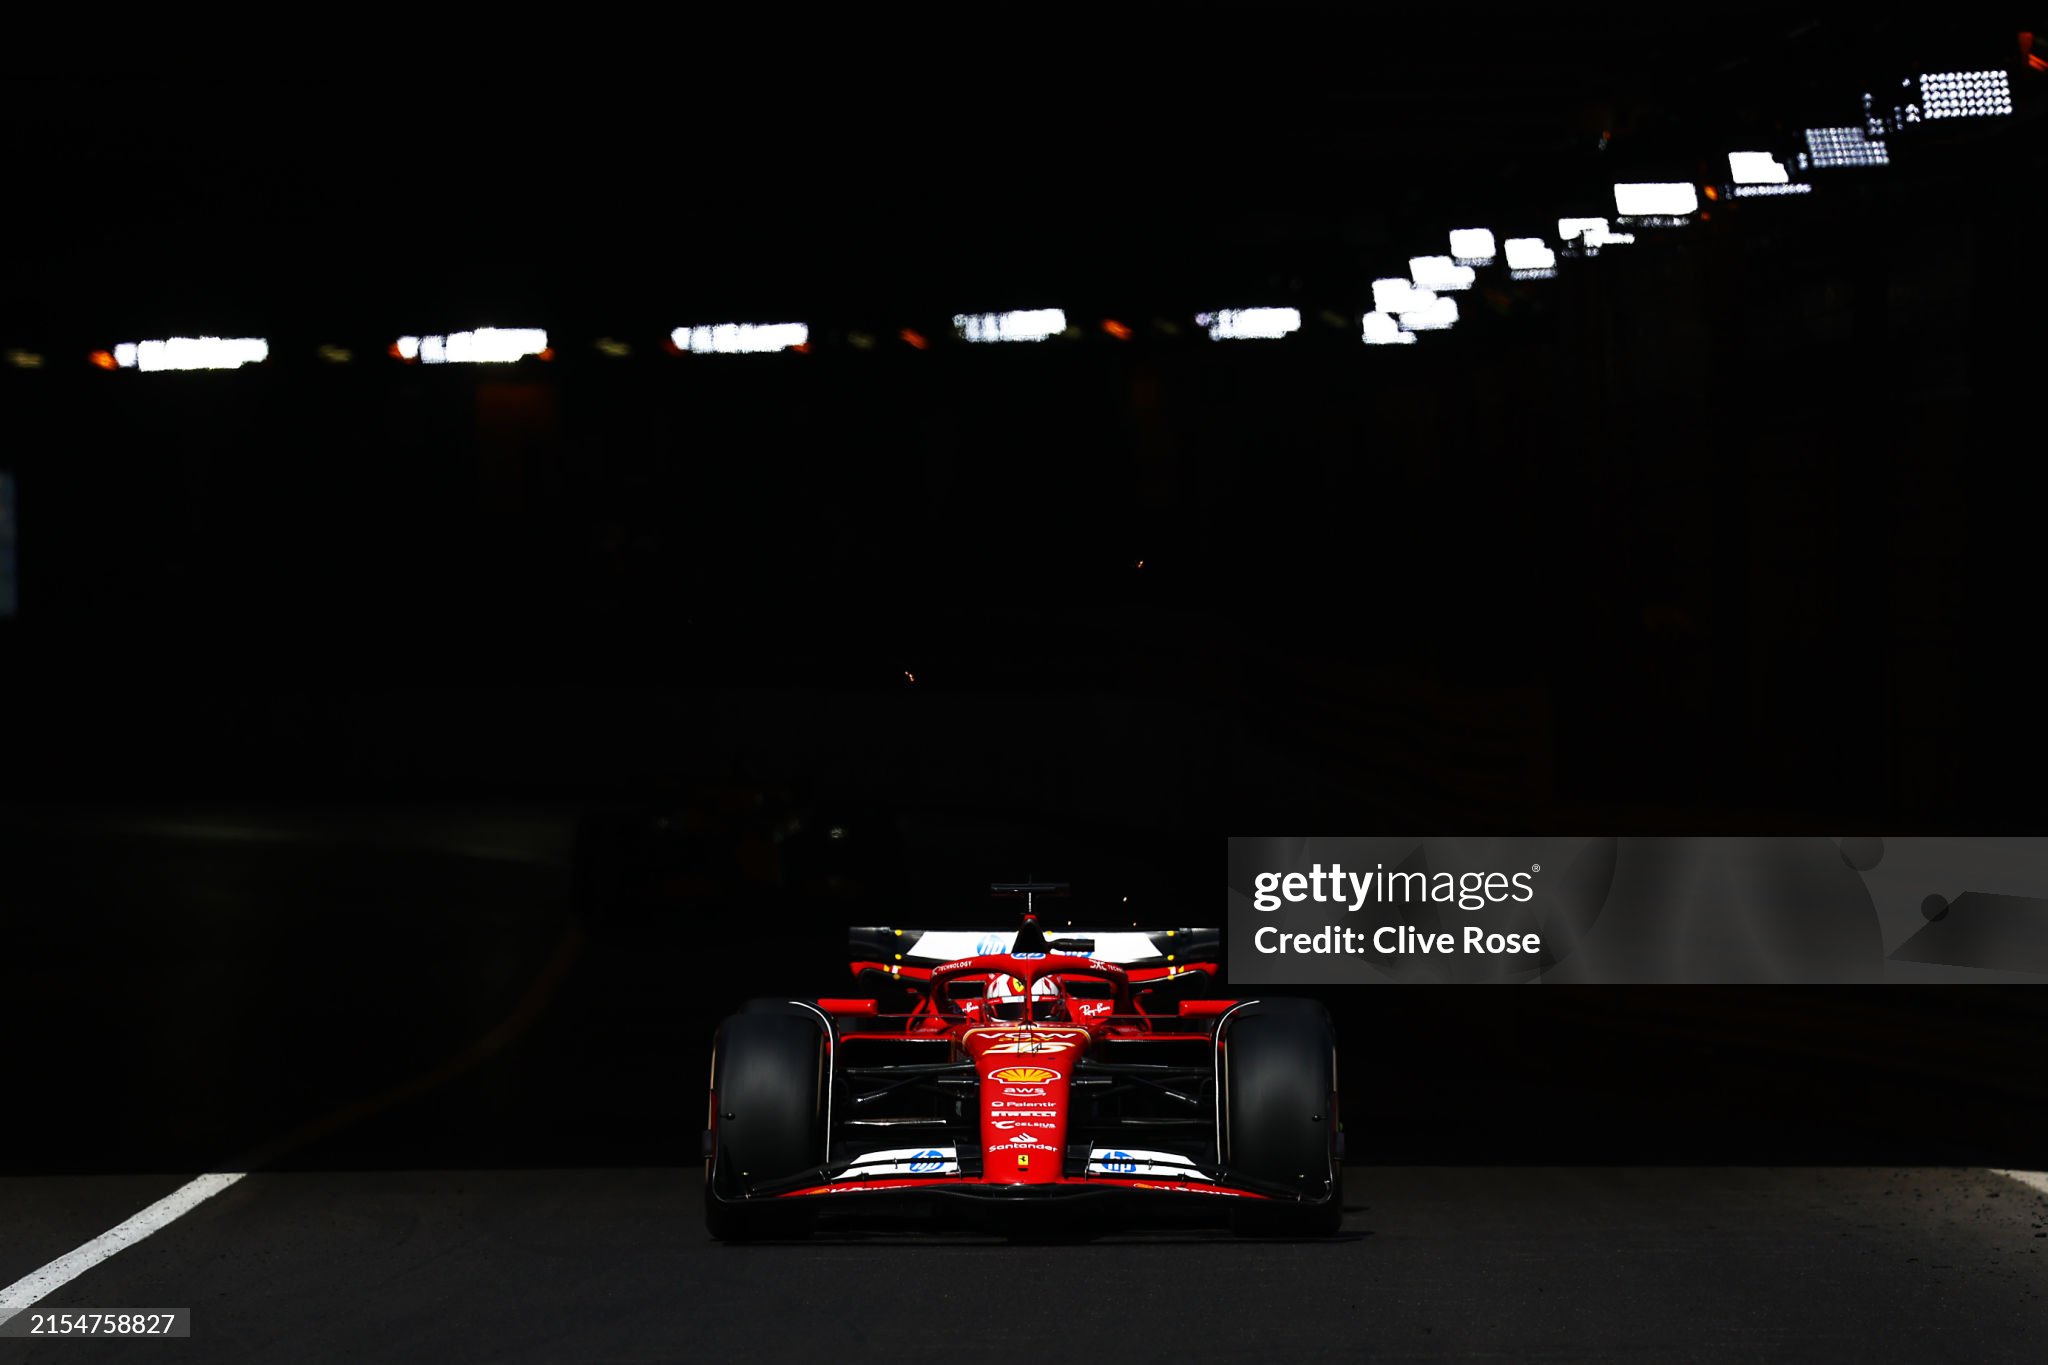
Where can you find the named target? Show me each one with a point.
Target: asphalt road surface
(1540, 1263)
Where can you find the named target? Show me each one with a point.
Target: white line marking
(2033, 1180)
(40, 1284)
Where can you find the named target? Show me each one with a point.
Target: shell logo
(1023, 1075)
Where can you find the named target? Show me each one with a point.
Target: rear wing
(1148, 954)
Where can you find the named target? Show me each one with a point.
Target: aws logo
(1023, 1075)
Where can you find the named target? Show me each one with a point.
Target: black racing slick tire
(1278, 1065)
(775, 1004)
(766, 1124)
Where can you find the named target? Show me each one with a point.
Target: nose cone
(1025, 1087)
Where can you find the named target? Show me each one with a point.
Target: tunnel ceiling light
(1250, 324)
(1965, 94)
(1591, 232)
(484, 346)
(1756, 168)
(1434, 316)
(192, 353)
(740, 338)
(1672, 199)
(1440, 272)
(1399, 296)
(1382, 330)
(1472, 244)
(1031, 324)
(1844, 147)
(1530, 253)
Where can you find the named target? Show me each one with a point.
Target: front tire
(767, 1118)
(1279, 1092)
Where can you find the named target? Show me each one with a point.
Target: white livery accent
(904, 1161)
(1134, 1161)
(947, 945)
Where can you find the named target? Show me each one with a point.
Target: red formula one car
(1028, 1084)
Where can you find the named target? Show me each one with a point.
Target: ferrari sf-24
(1028, 1083)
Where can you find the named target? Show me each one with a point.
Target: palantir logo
(925, 1162)
(1118, 1163)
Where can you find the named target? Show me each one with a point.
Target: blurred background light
(1756, 168)
(192, 353)
(486, 345)
(1250, 324)
(739, 338)
(1664, 198)
(1399, 296)
(1472, 244)
(1382, 330)
(1591, 232)
(1435, 316)
(1029, 324)
(1530, 253)
(1966, 94)
(1440, 272)
(1844, 147)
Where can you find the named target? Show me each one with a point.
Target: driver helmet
(1006, 1000)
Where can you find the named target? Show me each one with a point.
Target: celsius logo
(1022, 1075)
(925, 1162)
(1118, 1163)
